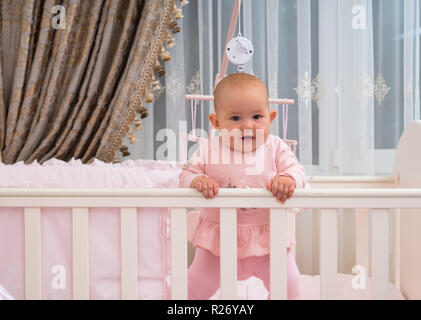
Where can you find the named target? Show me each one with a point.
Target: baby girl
(243, 117)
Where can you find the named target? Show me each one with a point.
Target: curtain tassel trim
(149, 87)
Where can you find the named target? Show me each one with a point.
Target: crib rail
(380, 201)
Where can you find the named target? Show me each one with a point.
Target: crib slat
(397, 248)
(291, 226)
(80, 245)
(362, 253)
(228, 253)
(179, 253)
(128, 227)
(32, 253)
(328, 254)
(380, 253)
(278, 256)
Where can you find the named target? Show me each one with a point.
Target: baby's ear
(214, 120)
(272, 115)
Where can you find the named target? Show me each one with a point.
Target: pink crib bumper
(74, 174)
(104, 228)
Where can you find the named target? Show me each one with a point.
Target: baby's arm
(287, 165)
(194, 175)
(290, 174)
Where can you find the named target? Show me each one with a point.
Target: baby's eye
(257, 116)
(235, 118)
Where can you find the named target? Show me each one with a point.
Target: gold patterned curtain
(74, 74)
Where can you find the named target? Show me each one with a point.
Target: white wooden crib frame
(378, 198)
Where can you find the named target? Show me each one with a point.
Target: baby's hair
(235, 79)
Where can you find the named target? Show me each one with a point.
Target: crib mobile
(238, 50)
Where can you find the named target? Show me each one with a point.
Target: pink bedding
(104, 229)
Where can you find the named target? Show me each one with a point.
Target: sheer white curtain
(346, 110)
(411, 56)
(353, 67)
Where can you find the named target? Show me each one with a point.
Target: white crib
(401, 193)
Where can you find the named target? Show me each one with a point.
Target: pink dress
(240, 170)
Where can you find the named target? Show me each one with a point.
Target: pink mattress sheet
(104, 228)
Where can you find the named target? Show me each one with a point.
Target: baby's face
(242, 112)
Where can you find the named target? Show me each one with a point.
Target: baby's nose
(247, 124)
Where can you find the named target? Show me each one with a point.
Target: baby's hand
(205, 185)
(282, 187)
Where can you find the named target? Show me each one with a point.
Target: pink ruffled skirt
(253, 232)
